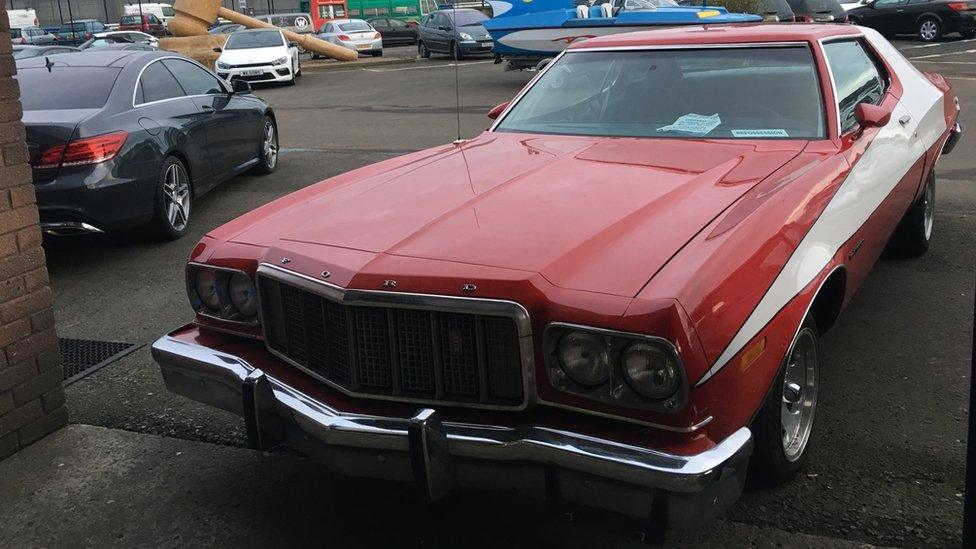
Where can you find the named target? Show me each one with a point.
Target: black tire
(291, 82)
(929, 29)
(771, 463)
(377, 54)
(422, 50)
(912, 237)
(267, 161)
(171, 221)
(456, 51)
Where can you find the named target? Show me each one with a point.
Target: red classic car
(613, 297)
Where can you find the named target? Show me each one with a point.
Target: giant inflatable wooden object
(194, 17)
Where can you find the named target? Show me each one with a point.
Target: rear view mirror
(238, 85)
(497, 111)
(872, 116)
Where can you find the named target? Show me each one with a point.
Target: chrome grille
(395, 351)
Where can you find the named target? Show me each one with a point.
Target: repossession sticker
(760, 133)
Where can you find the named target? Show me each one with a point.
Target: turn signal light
(80, 152)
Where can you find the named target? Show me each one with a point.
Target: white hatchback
(259, 55)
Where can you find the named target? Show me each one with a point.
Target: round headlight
(242, 294)
(205, 284)
(650, 370)
(584, 358)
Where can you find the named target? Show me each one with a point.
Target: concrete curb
(321, 66)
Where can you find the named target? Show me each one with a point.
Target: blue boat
(528, 31)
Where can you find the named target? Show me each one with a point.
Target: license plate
(252, 72)
(362, 46)
(485, 44)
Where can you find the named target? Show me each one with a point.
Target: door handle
(207, 108)
(904, 120)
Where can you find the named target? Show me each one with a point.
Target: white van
(22, 18)
(162, 11)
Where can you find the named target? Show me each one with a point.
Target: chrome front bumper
(954, 134)
(533, 460)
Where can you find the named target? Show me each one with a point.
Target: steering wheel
(754, 108)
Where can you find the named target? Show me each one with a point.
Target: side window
(193, 79)
(157, 83)
(889, 3)
(857, 79)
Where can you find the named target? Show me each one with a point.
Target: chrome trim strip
(407, 300)
(217, 379)
(661, 426)
(68, 228)
(135, 88)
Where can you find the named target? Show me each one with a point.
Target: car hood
(476, 31)
(253, 55)
(592, 214)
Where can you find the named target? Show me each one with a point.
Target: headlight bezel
(280, 61)
(466, 37)
(223, 66)
(617, 390)
(226, 311)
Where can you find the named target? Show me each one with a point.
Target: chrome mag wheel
(799, 394)
(270, 145)
(176, 194)
(928, 210)
(928, 30)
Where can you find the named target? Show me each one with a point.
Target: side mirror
(218, 49)
(238, 85)
(447, 29)
(292, 44)
(497, 111)
(872, 116)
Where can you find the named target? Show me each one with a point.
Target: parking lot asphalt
(887, 462)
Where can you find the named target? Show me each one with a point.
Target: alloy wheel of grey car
(422, 50)
(268, 159)
(783, 426)
(929, 30)
(173, 201)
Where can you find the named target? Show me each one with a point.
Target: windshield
(248, 40)
(642, 5)
(65, 87)
(353, 26)
(754, 92)
(167, 11)
(24, 53)
(463, 18)
(72, 27)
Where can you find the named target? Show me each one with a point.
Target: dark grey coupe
(125, 139)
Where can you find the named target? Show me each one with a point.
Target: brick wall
(31, 396)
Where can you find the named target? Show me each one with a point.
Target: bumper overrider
(438, 456)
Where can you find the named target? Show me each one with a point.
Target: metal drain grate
(81, 357)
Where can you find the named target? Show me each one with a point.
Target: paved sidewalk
(88, 486)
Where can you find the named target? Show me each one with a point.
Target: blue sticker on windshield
(760, 133)
(695, 124)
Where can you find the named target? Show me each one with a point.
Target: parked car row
(128, 139)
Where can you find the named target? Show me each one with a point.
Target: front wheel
(929, 30)
(173, 201)
(268, 159)
(422, 50)
(784, 424)
(455, 51)
(912, 237)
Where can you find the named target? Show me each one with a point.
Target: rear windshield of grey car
(248, 40)
(353, 26)
(738, 93)
(65, 87)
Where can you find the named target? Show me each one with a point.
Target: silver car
(32, 36)
(355, 34)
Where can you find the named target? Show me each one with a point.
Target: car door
(163, 106)
(232, 124)
(887, 16)
(382, 26)
(401, 31)
(440, 36)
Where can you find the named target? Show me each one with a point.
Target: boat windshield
(717, 93)
(643, 5)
